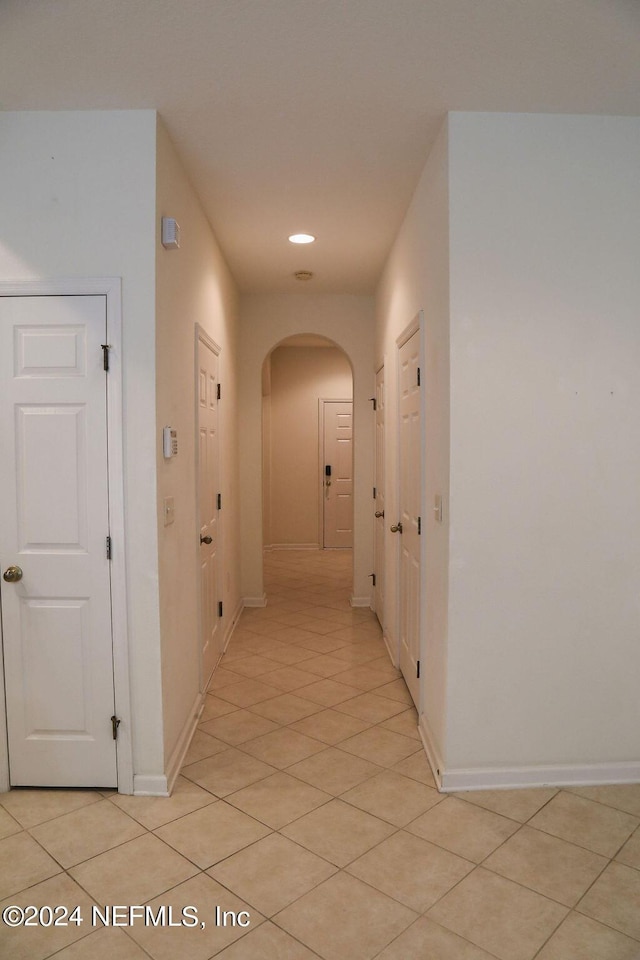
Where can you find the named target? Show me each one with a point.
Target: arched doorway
(268, 320)
(307, 445)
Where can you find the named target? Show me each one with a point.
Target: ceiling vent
(303, 275)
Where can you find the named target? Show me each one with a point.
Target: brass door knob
(206, 539)
(12, 574)
(378, 514)
(396, 528)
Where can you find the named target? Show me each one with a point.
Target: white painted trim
(510, 778)
(295, 546)
(432, 752)
(322, 401)
(118, 539)
(147, 785)
(410, 329)
(379, 562)
(416, 326)
(111, 289)
(569, 775)
(179, 752)
(5, 783)
(201, 336)
(176, 759)
(360, 602)
(232, 625)
(255, 601)
(393, 657)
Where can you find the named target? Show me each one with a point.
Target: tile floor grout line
(349, 648)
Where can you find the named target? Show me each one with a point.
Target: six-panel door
(409, 499)
(338, 486)
(208, 489)
(54, 523)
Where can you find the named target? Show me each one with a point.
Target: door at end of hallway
(336, 444)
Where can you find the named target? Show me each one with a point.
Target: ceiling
(315, 115)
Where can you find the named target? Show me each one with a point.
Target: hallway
(306, 800)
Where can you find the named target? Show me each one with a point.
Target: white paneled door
(54, 525)
(337, 473)
(410, 522)
(209, 508)
(379, 557)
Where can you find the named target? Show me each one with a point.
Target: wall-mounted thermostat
(169, 442)
(170, 233)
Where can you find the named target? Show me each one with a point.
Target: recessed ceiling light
(301, 238)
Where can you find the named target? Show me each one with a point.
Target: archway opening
(307, 448)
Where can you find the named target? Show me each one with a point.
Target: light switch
(437, 508)
(169, 511)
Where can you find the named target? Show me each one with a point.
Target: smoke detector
(303, 275)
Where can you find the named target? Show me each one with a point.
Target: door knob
(396, 528)
(12, 574)
(378, 514)
(206, 539)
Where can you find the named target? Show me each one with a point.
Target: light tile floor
(307, 808)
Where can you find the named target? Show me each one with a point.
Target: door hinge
(218, 392)
(219, 501)
(115, 723)
(373, 579)
(220, 608)
(108, 548)
(419, 525)
(418, 669)
(418, 376)
(374, 402)
(105, 355)
(375, 493)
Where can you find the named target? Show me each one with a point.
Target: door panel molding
(414, 590)
(323, 402)
(379, 539)
(215, 525)
(111, 289)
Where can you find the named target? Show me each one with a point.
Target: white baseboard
(560, 775)
(147, 785)
(233, 623)
(389, 645)
(360, 602)
(432, 752)
(294, 546)
(510, 778)
(179, 752)
(255, 601)
(184, 740)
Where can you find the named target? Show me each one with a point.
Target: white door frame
(111, 289)
(380, 562)
(416, 326)
(201, 336)
(321, 403)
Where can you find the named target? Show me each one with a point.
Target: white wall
(416, 277)
(193, 286)
(80, 198)
(77, 195)
(265, 321)
(300, 376)
(544, 609)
